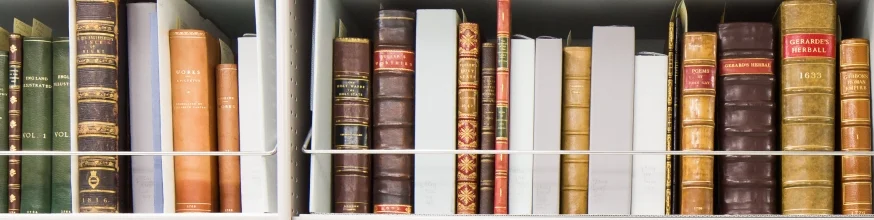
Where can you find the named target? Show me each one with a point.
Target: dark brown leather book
(97, 80)
(855, 85)
(15, 80)
(487, 130)
(393, 92)
(746, 107)
(468, 82)
(699, 96)
(676, 31)
(351, 185)
(228, 112)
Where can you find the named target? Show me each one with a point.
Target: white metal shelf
(141, 216)
(548, 217)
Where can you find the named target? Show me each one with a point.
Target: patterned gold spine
(468, 83)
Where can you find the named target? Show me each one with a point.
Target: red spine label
(699, 77)
(746, 66)
(393, 60)
(392, 209)
(808, 45)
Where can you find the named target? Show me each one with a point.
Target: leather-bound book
(676, 30)
(808, 87)
(193, 58)
(4, 121)
(351, 185)
(747, 113)
(61, 194)
(699, 96)
(36, 126)
(487, 130)
(855, 108)
(228, 112)
(468, 113)
(576, 97)
(97, 96)
(502, 109)
(393, 94)
(15, 77)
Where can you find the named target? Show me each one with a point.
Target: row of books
(420, 85)
(183, 95)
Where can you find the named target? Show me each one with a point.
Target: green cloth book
(4, 129)
(36, 125)
(61, 196)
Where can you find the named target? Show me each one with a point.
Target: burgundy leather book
(351, 186)
(746, 107)
(393, 91)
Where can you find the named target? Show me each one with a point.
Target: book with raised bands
(15, 77)
(228, 137)
(468, 113)
(502, 108)
(351, 119)
(576, 97)
(97, 92)
(36, 126)
(746, 107)
(393, 96)
(193, 58)
(699, 96)
(487, 130)
(808, 84)
(855, 108)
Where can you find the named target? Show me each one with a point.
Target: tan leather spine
(698, 125)
(193, 57)
(576, 97)
(855, 126)
(228, 137)
(807, 39)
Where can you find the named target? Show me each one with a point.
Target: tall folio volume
(194, 55)
(487, 130)
(576, 97)
(228, 112)
(15, 43)
(468, 82)
(351, 119)
(747, 109)
(393, 90)
(855, 126)
(36, 126)
(4, 121)
(699, 96)
(808, 104)
(61, 194)
(502, 109)
(97, 95)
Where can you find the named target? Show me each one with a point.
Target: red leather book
(468, 81)
(502, 108)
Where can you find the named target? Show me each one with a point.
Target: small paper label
(699, 77)
(40, 29)
(393, 60)
(809, 45)
(19, 27)
(746, 66)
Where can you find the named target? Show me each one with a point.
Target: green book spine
(36, 128)
(61, 196)
(4, 129)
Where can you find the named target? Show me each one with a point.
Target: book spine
(487, 130)
(228, 137)
(648, 171)
(193, 57)
(61, 195)
(855, 126)
(547, 126)
(36, 126)
(576, 97)
(4, 129)
(699, 96)
(97, 97)
(468, 82)
(502, 109)
(808, 104)
(15, 43)
(393, 96)
(747, 111)
(351, 188)
(670, 131)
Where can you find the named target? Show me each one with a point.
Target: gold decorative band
(98, 128)
(352, 40)
(101, 93)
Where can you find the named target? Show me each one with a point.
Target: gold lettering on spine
(468, 128)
